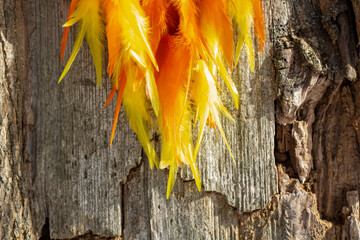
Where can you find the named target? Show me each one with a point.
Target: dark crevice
(131, 174)
(123, 211)
(147, 204)
(352, 20)
(45, 231)
(221, 198)
(131, 170)
(90, 236)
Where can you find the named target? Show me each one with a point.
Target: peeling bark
(317, 106)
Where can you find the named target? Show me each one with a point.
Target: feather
(136, 109)
(172, 178)
(207, 102)
(127, 26)
(242, 12)
(88, 12)
(186, 27)
(78, 41)
(151, 91)
(110, 97)
(156, 11)
(174, 63)
(259, 23)
(121, 78)
(126, 31)
(217, 28)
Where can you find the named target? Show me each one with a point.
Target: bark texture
(15, 213)
(298, 160)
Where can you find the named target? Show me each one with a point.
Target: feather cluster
(164, 56)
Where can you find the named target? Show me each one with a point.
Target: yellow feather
(127, 33)
(135, 106)
(242, 12)
(217, 28)
(88, 12)
(136, 19)
(77, 45)
(228, 81)
(207, 102)
(152, 92)
(94, 37)
(172, 178)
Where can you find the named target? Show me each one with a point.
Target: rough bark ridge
(15, 216)
(317, 62)
(59, 179)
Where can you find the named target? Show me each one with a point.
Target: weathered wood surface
(59, 178)
(77, 177)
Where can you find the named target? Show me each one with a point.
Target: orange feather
(174, 65)
(110, 97)
(156, 11)
(259, 23)
(113, 34)
(173, 60)
(122, 83)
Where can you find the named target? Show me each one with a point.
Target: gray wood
(186, 215)
(77, 175)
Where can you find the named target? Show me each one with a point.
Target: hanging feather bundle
(164, 56)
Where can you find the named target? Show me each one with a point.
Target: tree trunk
(295, 139)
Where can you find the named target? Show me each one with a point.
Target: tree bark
(295, 139)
